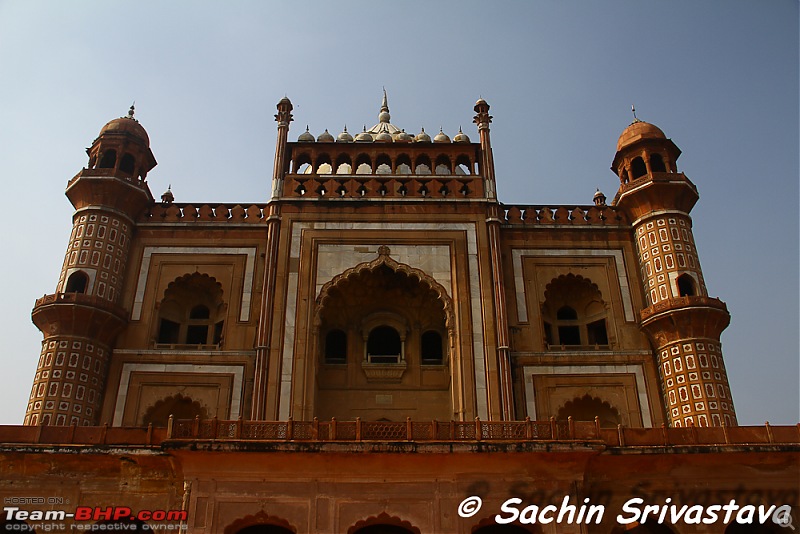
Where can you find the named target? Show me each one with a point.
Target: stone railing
(80, 299)
(401, 431)
(188, 213)
(471, 431)
(654, 177)
(114, 173)
(575, 216)
(681, 302)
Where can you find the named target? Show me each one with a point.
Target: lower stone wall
(342, 487)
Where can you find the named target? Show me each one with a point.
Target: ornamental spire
(384, 116)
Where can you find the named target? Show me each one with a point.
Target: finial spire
(132, 110)
(633, 110)
(384, 116)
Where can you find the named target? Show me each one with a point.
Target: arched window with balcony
(574, 315)
(384, 345)
(192, 312)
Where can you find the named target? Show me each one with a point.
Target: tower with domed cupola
(681, 320)
(81, 319)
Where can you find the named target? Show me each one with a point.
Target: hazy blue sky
(719, 77)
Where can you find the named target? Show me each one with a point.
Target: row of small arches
(383, 164)
(639, 168)
(109, 161)
(384, 345)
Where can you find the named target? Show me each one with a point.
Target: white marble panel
(519, 280)
(249, 273)
(236, 392)
(529, 371)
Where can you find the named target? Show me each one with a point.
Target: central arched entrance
(383, 335)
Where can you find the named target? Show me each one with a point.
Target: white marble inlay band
(249, 272)
(438, 273)
(236, 390)
(529, 371)
(619, 260)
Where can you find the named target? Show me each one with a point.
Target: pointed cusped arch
(384, 260)
(586, 408)
(177, 406)
(383, 520)
(262, 519)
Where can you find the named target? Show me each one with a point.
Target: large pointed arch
(261, 518)
(383, 519)
(384, 259)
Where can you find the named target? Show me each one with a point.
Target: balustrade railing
(474, 431)
(448, 432)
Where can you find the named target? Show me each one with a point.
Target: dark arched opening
(336, 347)
(638, 168)
(686, 286)
(503, 529)
(383, 529)
(384, 345)
(109, 159)
(568, 334)
(431, 348)
(657, 163)
(78, 282)
(264, 529)
(127, 164)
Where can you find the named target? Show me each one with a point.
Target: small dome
(460, 137)
(167, 197)
(402, 137)
(441, 137)
(127, 124)
(637, 131)
(306, 137)
(344, 137)
(480, 102)
(599, 198)
(364, 137)
(384, 137)
(422, 137)
(325, 137)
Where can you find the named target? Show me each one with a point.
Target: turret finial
(132, 110)
(633, 110)
(384, 116)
